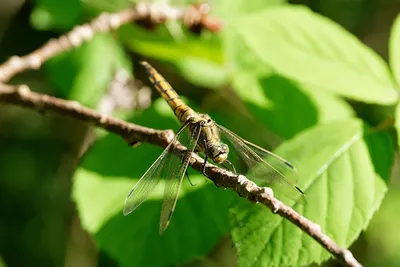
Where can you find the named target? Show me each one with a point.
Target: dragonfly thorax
(210, 142)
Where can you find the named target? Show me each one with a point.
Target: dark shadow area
(380, 147)
(34, 201)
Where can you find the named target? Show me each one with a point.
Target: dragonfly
(199, 133)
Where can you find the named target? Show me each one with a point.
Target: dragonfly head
(218, 152)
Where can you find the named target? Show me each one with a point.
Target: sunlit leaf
(207, 73)
(394, 49)
(315, 52)
(232, 10)
(343, 191)
(162, 45)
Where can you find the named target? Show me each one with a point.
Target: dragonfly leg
(231, 165)
(187, 175)
(205, 158)
(204, 165)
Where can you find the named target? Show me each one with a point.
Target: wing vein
(175, 174)
(148, 182)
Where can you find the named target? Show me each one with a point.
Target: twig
(194, 17)
(132, 133)
(23, 96)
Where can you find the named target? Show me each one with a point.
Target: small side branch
(132, 134)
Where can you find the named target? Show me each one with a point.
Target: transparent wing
(151, 178)
(263, 166)
(175, 173)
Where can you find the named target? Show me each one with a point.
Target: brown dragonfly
(200, 133)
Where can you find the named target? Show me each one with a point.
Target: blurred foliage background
(58, 209)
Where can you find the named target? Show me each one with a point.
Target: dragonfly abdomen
(181, 110)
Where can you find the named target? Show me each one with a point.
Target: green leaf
(202, 72)
(285, 107)
(329, 107)
(241, 56)
(200, 219)
(95, 7)
(315, 52)
(84, 73)
(230, 10)
(56, 14)
(397, 123)
(380, 147)
(162, 45)
(394, 49)
(111, 168)
(343, 191)
(384, 230)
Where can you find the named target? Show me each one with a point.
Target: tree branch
(133, 134)
(149, 15)
(23, 96)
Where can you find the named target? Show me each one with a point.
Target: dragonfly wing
(151, 178)
(263, 166)
(175, 173)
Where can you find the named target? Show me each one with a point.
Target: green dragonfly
(199, 133)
